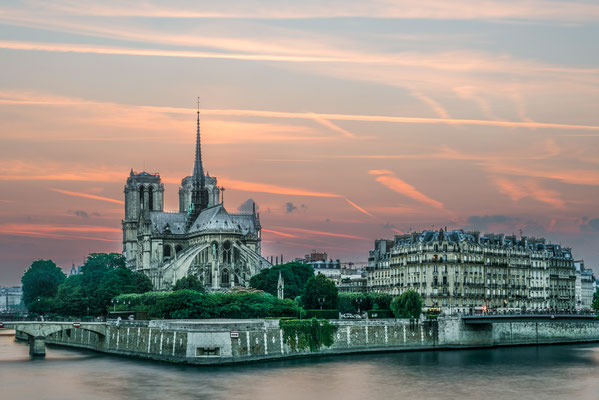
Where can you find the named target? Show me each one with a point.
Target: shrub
(375, 314)
(307, 334)
(321, 314)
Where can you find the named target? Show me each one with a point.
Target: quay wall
(212, 342)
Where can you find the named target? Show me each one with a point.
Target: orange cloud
(333, 127)
(529, 188)
(437, 108)
(357, 207)
(502, 11)
(87, 196)
(279, 233)
(29, 99)
(273, 189)
(52, 231)
(387, 178)
(322, 233)
(510, 189)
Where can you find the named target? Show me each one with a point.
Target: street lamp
(321, 301)
(359, 302)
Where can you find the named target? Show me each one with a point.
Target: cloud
(357, 207)
(136, 115)
(79, 213)
(290, 207)
(247, 206)
(57, 231)
(273, 189)
(591, 225)
(483, 222)
(87, 196)
(322, 233)
(279, 233)
(518, 189)
(388, 179)
(437, 108)
(494, 10)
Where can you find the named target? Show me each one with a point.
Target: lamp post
(359, 303)
(321, 301)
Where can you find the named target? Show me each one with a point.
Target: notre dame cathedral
(222, 249)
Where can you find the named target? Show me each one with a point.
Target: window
(207, 351)
(151, 198)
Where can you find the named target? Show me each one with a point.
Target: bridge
(38, 331)
(493, 319)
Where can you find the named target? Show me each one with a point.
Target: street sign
(76, 324)
(234, 335)
(1, 324)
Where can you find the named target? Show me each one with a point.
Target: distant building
(352, 283)
(322, 265)
(75, 270)
(585, 286)
(11, 299)
(465, 271)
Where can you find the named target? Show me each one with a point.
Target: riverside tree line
(105, 283)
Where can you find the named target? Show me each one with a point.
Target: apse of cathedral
(222, 249)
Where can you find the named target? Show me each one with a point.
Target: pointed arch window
(151, 198)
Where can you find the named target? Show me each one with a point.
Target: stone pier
(37, 346)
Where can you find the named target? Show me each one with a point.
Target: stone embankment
(211, 342)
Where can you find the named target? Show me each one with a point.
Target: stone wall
(233, 341)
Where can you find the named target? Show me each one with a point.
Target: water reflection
(545, 372)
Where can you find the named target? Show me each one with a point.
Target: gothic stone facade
(463, 271)
(222, 249)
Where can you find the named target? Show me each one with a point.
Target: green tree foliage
(308, 334)
(183, 304)
(407, 305)
(354, 302)
(595, 304)
(295, 276)
(40, 285)
(320, 287)
(103, 277)
(190, 282)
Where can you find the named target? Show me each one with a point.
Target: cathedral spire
(198, 169)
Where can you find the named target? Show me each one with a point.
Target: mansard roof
(486, 239)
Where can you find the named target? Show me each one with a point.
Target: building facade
(585, 286)
(222, 249)
(467, 271)
(11, 299)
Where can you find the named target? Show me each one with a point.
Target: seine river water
(545, 372)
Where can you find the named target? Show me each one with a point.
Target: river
(543, 372)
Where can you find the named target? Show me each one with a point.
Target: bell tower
(144, 193)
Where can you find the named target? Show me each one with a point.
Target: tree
(595, 304)
(190, 282)
(41, 281)
(295, 275)
(317, 289)
(103, 277)
(407, 305)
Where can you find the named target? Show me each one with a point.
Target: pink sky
(344, 123)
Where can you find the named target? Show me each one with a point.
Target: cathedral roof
(215, 219)
(246, 222)
(168, 223)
